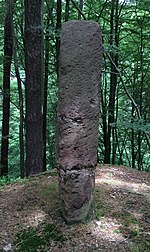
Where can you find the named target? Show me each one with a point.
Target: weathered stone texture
(78, 115)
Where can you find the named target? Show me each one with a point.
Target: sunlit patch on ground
(108, 229)
(119, 219)
(34, 218)
(134, 187)
(137, 215)
(115, 178)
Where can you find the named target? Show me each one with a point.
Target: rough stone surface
(78, 115)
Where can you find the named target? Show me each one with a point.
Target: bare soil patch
(30, 215)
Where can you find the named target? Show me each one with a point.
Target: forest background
(124, 129)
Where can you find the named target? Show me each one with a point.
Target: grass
(146, 207)
(140, 245)
(125, 218)
(10, 180)
(33, 240)
(51, 194)
(97, 205)
(51, 190)
(5, 180)
(51, 233)
(28, 241)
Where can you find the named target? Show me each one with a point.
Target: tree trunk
(114, 41)
(58, 28)
(21, 110)
(111, 93)
(132, 140)
(115, 142)
(46, 70)
(141, 94)
(67, 10)
(8, 49)
(34, 86)
(104, 107)
(80, 7)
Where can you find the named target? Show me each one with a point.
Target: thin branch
(77, 7)
(13, 75)
(16, 106)
(124, 86)
(99, 16)
(129, 96)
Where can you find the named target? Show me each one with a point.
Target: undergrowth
(32, 240)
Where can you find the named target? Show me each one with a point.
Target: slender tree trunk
(8, 50)
(120, 162)
(104, 118)
(67, 10)
(46, 74)
(80, 7)
(114, 41)
(112, 90)
(141, 94)
(139, 151)
(132, 141)
(104, 108)
(21, 109)
(34, 86)
(58, 28)
(115, 77)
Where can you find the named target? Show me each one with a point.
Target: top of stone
(88, 23)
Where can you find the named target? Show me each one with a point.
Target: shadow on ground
(119, 220)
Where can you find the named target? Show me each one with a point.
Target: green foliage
(51, 232)
(141, 245)
(32, 240)
(51, 194)
(29, 241)
(97, 206)
(8, 180)
(126, 218)
(51, 189)
(133, 62)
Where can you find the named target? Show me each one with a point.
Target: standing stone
(78, 116)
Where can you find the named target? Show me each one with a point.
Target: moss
(51, 194)
(97, 206)
(28, 241)
(142, 245)
(133, 232)
(117, 231)
(51, 190)
(37, 240)
(146, 207)
(125, 218)
(52, 233)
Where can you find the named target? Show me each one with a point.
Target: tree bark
(80, 7)
(141, 95)
(114, 41)
(8, 50)
(46, 74)
(67, 10)
(58, 28)
(21, 109)
(34, 86)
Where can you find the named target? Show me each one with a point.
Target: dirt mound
(30, 215)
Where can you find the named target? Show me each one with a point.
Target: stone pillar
(78, 116)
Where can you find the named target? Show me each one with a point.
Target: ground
(119, 220)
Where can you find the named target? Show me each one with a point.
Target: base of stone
(76, 191)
